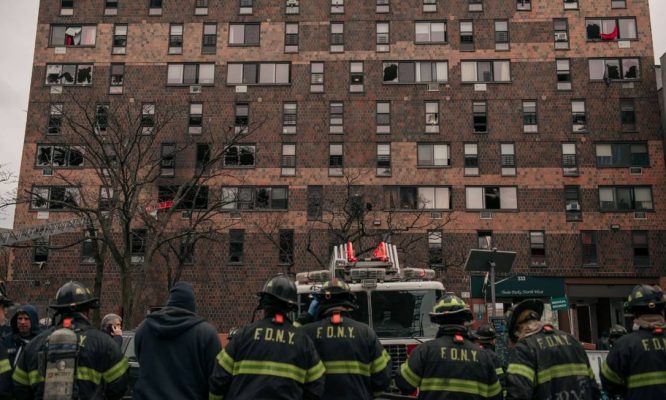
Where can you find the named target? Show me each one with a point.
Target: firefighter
(269, 358)
(450, 366)
(545, 363)
(357, 366)
(636, 365)
(5, 365)
(615, 333)
(82, 362)
(485, 338)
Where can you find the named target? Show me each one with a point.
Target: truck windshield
(404, 313)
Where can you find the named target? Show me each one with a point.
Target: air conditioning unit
(195, 89)
(486, 215)
(561, 37)
(436, 214)
(433, 87)
(640, 215)
(573, 206)
(432, 119)
(636, 170)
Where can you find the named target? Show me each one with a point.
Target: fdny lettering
(553, 341)
(456, 354)
(82, 339)
(335, 332)
(274, 335)
(654, 344)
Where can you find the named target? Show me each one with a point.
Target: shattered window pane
(44, 156)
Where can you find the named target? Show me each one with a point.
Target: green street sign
(559, 303)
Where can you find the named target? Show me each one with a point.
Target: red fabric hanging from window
(610, 36)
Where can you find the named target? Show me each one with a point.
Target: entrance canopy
(520, 286)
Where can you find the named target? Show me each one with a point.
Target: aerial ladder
(8, 238)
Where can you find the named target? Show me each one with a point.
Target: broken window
(55, 119)
(41, 250)
(147, 117)
(69, 74)
(101, 118)
(202, 157)
(209, 41)
(244, 34)
(614, 69)
(138, 245)
(606, 29)
(286, 241)
(73, 35)
(240, 156)
(190, 198)
(415, 71)
(59, 156)
(119, 45)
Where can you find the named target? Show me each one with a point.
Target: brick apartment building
(529, 126)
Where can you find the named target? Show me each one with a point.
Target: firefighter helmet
(4, 300)
(645, 299)
(617, 331)
(280, 288)
(524, 311)
(485, 333)
(336, 292)
(74, 296)
(450, 309)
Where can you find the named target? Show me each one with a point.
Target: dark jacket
(5, 375)
(636, 366)
(547, 363)
(15, 342)
(357, 366)
(268, 360)
(450, 367)
(176, 350)
(101, 371)
(499, 365)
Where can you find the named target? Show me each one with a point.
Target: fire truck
(393, 301)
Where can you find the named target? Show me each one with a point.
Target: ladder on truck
(384, 256)
(8, 238)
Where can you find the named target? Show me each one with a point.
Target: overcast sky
(18, 22)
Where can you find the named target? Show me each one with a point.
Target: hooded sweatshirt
(16, 342)
(176, 350)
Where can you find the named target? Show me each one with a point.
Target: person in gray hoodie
(25, 326)
(176, 350)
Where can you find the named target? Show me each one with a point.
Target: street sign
(559, 303)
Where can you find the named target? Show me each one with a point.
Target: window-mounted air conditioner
(573, 206)
(195, 89)
(561, 37)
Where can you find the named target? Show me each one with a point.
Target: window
(73, 35)
(530, 116)
(471, 159)
(260, 197)
(187, 248)
(168, 160)
(569, 159)
(289, 117)
(55, 119)
(605, 29)
(640, 244)
(578, 116)
(87, 249)
(236, 238)
(337, 37)
(416, 71)
(245, 7)
(195, 120)
(190, 198)
(66, 7)
(242, 118)
(383, 6)
(288, 160)
(430, 32)
(101, 118)
(421, 197)
(622, 155)
(475, 5)
(563, 74)
(51, 198)
(466, 36)
(508, 153)
(286, 240)
(429, 5)
(335, 159)
(356, 76)
(432, 116)
(383, 117)
(315, 202)
(59, 156)
(41, 250)
(570, 4)
(176, 39)
(628, 115)
(119, 41)
(492, 198)
(244, 34)
(191, 74)
(561, 31)
(258, 73)
(291, 38)
(485, 240)
(625, 198)
(239, 156)
(336, 117)
(384, 159)
(588, 240)
(524, 5)
(203, 158)
(316, 77)
(155, 7)
(337, 6)
(537, 249)
(292, 6)
(572, 203)
(147, 118)
(479, 117)
(209, 41)
(618, 4)
(435, 248)
(433, 155)
(117, 80)
(383, 37)
(69, 74)
(614, 69)
(485, 71)
(501, 35)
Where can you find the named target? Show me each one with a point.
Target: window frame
(632, 194)
(493, 65)
(484, 194)
(257, 79)
(245, 26)
(184, 69)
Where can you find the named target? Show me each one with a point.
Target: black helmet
(336, 292)
(524, 311)
(645, 299)
(280, 288)
(450, 309)
(4, 300)
(485, 333)
(617, 331)
(74, 296)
